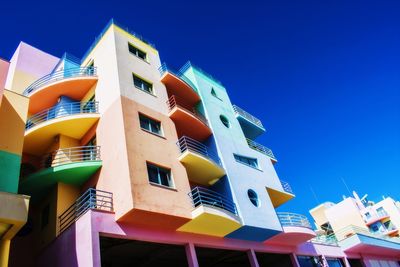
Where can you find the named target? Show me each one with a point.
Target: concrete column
(346, 262)
(295, 262)
(252, 258)
(4, 252)
(191, 255)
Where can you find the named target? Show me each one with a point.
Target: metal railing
(325, 240)
(293, 219)
(208, 75)
(173, 101)
(286, 187)
(247, 116)
(71, 155)
(188, 144)
(164, 68)
(62, 110)
(91, 199)
(204, 196)
(351, 230)
(61, 75)
(260, 148)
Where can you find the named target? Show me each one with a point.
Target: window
(253, 197)
(150, 125)
(367, 215)
(247, 161)
(45, 217)
(137, 52)
(142, 84)
(159, 175)
(214, 94)
(224, 121)
(381, 211)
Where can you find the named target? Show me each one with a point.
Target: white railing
(293, 219)
(247, 116)
(260, 148)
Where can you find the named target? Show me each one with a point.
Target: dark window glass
(142, 84)
(247, 161)
(150, 125)
(159, 175)
(137, 52)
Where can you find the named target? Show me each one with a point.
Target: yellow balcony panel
(279, 197)
(73, 83)
(202, 167)
(39, 137)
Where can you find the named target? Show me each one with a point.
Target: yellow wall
(13, 112)
(66, 196)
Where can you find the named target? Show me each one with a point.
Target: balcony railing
(325, 240)
(247, 116)
(61, 75)
(286, 187)
(71, 155)
(188, 144)
(204, 196)
(260, 148)
(91, 199)
(164, 68)
(173, 102)
(62, 110)
(293, 219)
(353, 230)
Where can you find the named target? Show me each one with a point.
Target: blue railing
(286, 187)
(62, 110)
(164, 68)
(260, 148)
(61, 75)
(91, 199)
(293, 219)
(204, 196)
(188, 144)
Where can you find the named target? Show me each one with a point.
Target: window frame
(144, 82)
(150, 121)
(171, 184)
(238, 158)
(137, 52)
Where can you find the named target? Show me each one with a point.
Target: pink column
(252, 258)
(191, 255)
(295, 262)
(346, 262)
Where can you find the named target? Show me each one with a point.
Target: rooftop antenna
(348, 190)
(315, 195)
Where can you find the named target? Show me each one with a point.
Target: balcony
(72, 119)
(74, 83)
(377, 216)
(251, 126)
(203, 167)
(187, 120)
(354, 239)
(72, 165)
(280, 196)
(322, 239)
(296, 229)
(92, 199)
(214, 214)
(262, 149)
(179, 85)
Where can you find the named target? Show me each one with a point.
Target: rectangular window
(142, 84)
(150, 125)
(247, 161)
(137, 52)
(159, 175)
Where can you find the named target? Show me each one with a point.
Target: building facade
(129, 162)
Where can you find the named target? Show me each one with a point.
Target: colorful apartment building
(364, 229)
(130, 163)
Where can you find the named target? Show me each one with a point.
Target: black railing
(204, 196)
(92, 199)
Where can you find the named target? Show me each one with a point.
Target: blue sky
(323, 76)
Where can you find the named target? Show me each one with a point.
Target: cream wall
(389, 205)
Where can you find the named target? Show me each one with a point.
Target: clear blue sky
(323, 76)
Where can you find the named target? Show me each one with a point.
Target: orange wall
(143, 146)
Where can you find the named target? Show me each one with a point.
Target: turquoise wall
(9, 171)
